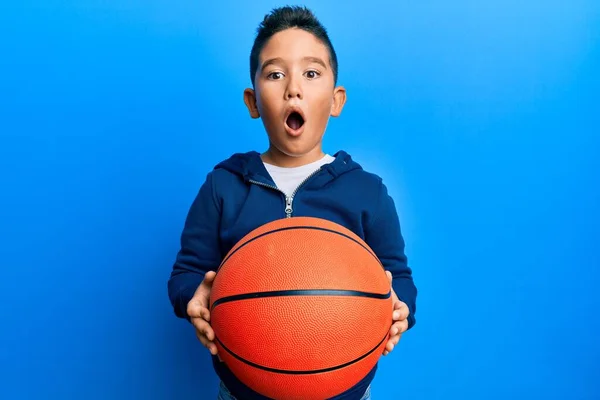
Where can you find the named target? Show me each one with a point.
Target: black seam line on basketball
(300, 372)
(301, 292)
(298, 227)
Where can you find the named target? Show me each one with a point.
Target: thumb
(209, 277)
(206, 284)
(202, 294)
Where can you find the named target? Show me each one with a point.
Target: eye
(312, 74)
(275, 75)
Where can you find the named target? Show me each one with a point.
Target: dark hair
(284, 18)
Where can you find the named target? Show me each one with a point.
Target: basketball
(301, 309)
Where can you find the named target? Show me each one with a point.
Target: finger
(401, 312)
(201, 312)
(209, 277)
(207, 336)
(399, 328)
(390, 346)
(196, 309)
(205, 314)
(395, 328)
(386, 351)
(392, 342)
(209, 333)
(204, 288)
(202, 338)
(389, 276)
(204, 328)
(207, 343)
(395, 338)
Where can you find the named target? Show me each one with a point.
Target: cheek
(322, 107)
(267, 110)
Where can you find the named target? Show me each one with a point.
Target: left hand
(399, 316)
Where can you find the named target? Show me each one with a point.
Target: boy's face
(295, 95)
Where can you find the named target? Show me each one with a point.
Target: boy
(293, 68)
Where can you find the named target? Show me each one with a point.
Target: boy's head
(293, 70)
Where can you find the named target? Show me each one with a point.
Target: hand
(399, 316)
(199, 313)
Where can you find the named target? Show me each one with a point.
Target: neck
(275, 157)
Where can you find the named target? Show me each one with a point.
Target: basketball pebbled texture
(301, 309)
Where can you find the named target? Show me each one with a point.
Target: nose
(294, 89)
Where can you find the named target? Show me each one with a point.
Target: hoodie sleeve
(199, 251)
(384, 236)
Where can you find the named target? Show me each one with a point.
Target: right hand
(199, 313)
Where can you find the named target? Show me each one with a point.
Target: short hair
(287, 17)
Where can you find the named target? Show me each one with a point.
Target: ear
(339, 99)
(250, 100)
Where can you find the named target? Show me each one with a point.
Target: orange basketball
(301, 309)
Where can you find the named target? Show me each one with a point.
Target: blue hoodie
(239, 195)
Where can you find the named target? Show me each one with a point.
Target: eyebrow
(278, 60)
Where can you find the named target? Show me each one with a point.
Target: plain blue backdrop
(482, 117)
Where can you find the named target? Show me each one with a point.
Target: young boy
(293, 68)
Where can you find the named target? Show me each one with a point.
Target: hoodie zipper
(289, 200)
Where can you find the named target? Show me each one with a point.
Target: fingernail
(392, 347)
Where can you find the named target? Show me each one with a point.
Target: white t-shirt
(288, 179)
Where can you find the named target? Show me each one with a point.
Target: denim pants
(224, 393)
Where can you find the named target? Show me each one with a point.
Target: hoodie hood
(250, 166)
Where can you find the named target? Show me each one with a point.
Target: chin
(296, 152)
(293, 154)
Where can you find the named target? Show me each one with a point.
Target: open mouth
(295, 121)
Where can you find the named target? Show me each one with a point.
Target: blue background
(482, 117)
